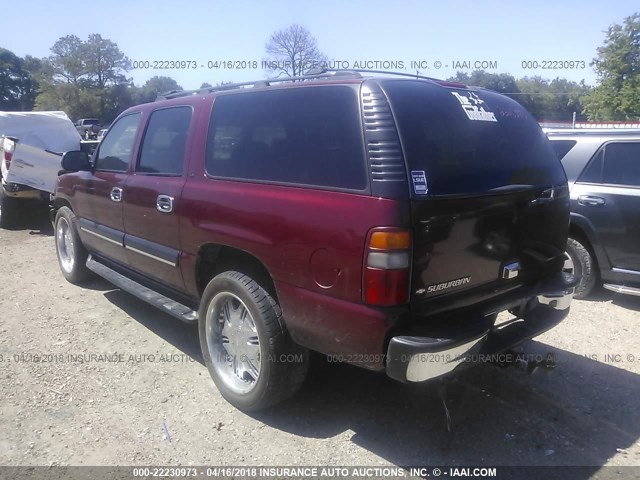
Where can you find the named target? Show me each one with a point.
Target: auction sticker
(419, 182)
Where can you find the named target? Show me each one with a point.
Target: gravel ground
(157, 404)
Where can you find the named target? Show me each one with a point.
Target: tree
(617, 95)
(84, 78)
(293, 52)
(67, 60)
(499, 82)
(156, 86)
(18, 89)
(206, 85)
(545, 100)
(104, 62)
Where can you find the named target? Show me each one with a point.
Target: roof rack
(318, 74)
(386, 72)
(326, 73)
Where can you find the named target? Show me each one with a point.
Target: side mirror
(76, 161)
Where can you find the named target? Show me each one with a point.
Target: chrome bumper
(418, 359)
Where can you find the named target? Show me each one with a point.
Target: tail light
(387, 267)
(8, 146)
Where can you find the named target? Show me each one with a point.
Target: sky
(440, 36)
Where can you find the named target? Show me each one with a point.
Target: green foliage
(499, 82)
(554, 100)
(84, 78)
(18, 88)
(154, 87)
(544, 99)
(617, 96)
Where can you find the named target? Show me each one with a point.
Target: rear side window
(593, 172)
(622, 164)
(562, 147)
(116, 148)
(306, 136)
(469, 142)
(164, 141)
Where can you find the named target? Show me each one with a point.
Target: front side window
(306, 135)
(117, 147)
(165, 141)
(622, 164)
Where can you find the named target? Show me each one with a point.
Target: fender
(584, 225)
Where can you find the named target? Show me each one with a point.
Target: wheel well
(578, 234)
(61, 202)
(213, 259)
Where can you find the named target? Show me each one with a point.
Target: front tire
(580, 262)
(246, 348)
(72, 255)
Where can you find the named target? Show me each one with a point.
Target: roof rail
(384, 72)
(317, 74)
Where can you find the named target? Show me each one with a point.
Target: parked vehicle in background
(603, 169)
(101, 134)
(335, 214)
(31, 147)
(88, 128)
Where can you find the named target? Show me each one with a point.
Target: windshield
(461, 142)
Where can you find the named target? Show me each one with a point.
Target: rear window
(469, 142)
(562, 147)
(302, 136)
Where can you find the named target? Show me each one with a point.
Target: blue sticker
(419, 182)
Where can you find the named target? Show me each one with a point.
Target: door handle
(591, 201)
(116, 194)
(164, 203)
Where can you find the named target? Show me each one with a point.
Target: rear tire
(246, 348)
(581, 263)
(8, 210)
(71, 252)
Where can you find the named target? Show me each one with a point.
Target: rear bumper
(419, 359)
(17, 190)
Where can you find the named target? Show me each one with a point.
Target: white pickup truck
(31, 147)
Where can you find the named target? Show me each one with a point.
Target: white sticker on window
(474, 107)
(419, 182)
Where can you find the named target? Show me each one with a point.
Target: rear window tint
(562, 147)
(307, 136)
(469, 142)
(621, 164)
(593, 172)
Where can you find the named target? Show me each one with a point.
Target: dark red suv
(384, 221)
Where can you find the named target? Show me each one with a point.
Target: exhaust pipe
(529, 363)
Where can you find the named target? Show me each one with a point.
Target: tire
(8, 210)
(72, 254)
(580, 262)
(246, 348)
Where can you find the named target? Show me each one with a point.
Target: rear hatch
(489, 198)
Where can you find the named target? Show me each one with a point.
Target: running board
(622, 289)
(173, 308)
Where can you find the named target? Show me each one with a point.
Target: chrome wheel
(233, 342)
(569, 266)
(64, 244)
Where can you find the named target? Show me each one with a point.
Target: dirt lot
(157, 405)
